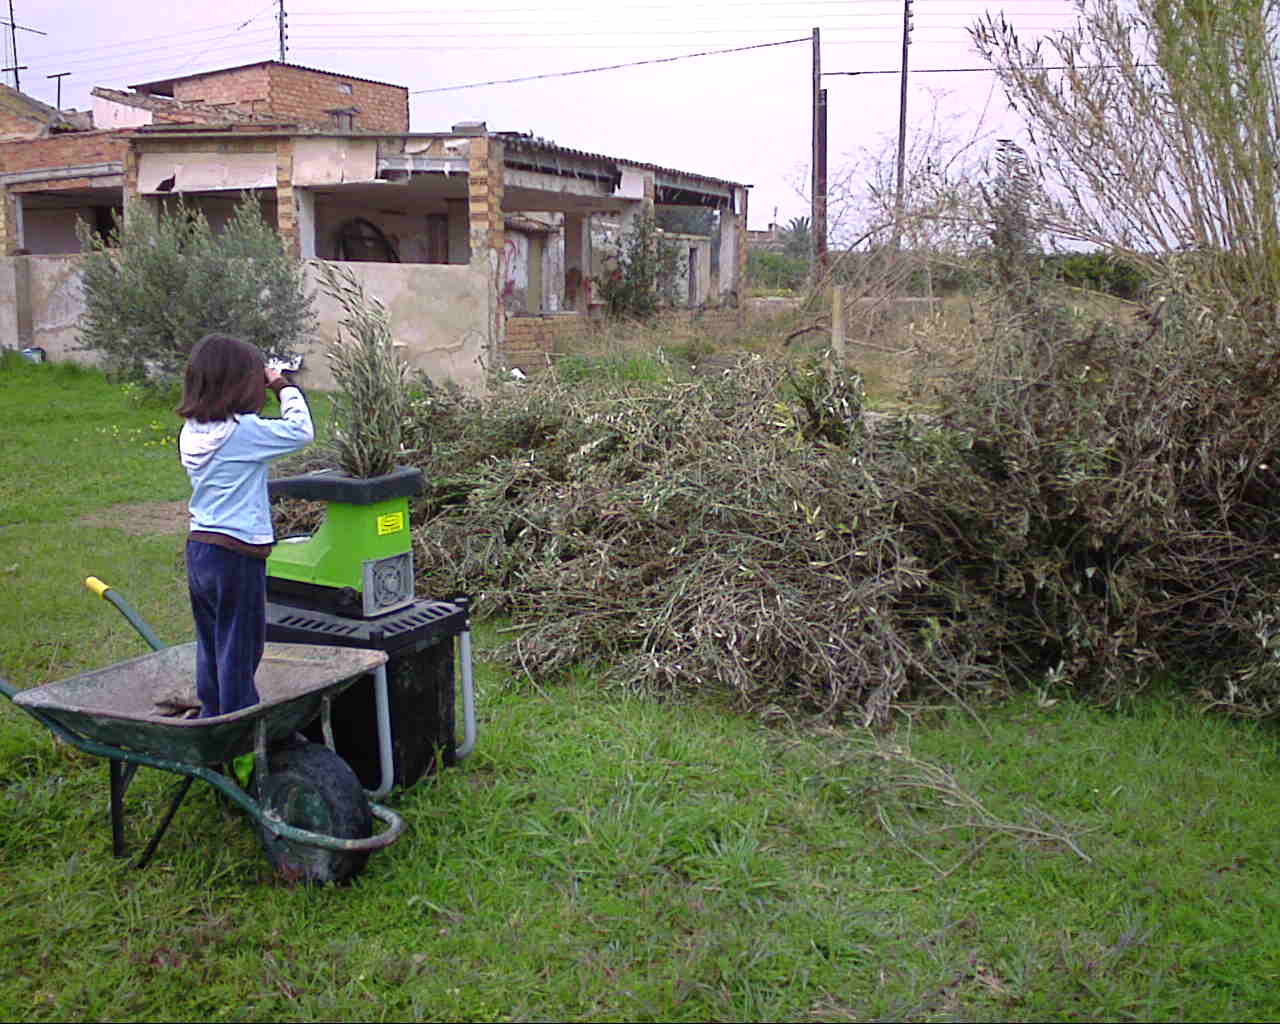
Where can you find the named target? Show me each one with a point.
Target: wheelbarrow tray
(131, 704)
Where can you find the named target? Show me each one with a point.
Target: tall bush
(1157, 139)
(162, 280)
(776, 270)
(640, 278)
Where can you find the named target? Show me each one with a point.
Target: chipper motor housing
(360, 561)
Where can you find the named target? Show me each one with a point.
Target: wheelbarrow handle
(107, 593)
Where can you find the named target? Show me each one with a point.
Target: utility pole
(902, 126)
(818, 205)
(280, 20)
(59, 76)
(13, 44)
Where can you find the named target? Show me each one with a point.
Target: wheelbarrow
(313, 817)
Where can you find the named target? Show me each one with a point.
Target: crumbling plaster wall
(440, 315)
(53, 304)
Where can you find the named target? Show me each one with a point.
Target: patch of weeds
(691, 351)
(155, 434)
(620, 368)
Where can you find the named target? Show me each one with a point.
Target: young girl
(225, 447)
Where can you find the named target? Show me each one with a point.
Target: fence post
(837, 322)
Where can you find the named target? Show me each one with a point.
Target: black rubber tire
(311, 787)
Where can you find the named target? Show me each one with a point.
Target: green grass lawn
(602, 857)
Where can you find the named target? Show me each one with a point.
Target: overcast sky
(744, 116)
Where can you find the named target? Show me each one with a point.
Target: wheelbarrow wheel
(311, 787)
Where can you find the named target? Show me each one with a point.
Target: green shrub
(164, 280)
(1099, 272)
(640, 277)
(776, 270)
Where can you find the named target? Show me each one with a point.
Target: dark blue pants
(229, 604)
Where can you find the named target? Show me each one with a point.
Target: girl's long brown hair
(225, 376)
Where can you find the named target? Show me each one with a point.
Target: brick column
(286, 200)
(484, 213)
(129, 187)
(484, 196)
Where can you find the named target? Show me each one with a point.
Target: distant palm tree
(797, 238)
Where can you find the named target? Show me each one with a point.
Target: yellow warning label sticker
(392, 522)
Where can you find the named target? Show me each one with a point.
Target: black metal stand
(420, 681)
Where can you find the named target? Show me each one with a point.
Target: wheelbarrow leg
(120, 774)
(178, 796)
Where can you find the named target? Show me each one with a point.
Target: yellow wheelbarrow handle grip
(125, 608)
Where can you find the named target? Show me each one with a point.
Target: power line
(688, 24)
(139, 56)
(157, 68)
(208, 30)
(610, 67)
(626, 8)
(952, 71)
(606, 33)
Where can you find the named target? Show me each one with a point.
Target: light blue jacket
(227, 463)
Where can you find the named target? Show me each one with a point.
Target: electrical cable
(627, 8)
(123, 59)
(950, 71)
(640, 33)
(610, 67)
(125, 48)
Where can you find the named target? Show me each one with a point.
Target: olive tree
(163, 279)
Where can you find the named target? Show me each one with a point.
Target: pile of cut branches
(741, 533)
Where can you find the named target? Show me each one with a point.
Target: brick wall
(530, 341)
(300, 94)
(13, 126)
(70, 150)
(297, 92)
(245, 87)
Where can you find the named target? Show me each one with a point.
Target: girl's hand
(273, 375)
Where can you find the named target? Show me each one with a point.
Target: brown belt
(222, 540)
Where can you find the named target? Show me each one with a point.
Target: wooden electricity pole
(818, 204)
(59, 76)
(902, 126)
(280, 20)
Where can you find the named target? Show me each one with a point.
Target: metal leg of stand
(119, 775)
(178, 796)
